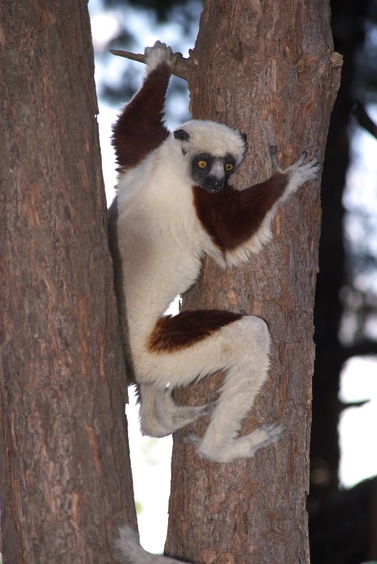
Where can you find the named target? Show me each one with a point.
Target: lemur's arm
(140, 128)
(236, 217)
(226, 216)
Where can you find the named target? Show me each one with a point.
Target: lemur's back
(159, 238)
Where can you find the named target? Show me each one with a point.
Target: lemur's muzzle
(213, 183)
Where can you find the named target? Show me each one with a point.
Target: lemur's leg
(241, 386)
(241, 348)
(160, 416)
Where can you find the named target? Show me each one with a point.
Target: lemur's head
(214, 152)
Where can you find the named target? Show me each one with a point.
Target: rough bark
(65, 474)
(272, 73)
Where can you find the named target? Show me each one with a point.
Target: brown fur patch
(187, 328)
(232, 216)
(140, 128)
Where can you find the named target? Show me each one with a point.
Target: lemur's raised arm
(140, 128)
(174, 205)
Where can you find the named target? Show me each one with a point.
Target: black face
(212, 173)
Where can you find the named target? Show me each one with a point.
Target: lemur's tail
(129, 550)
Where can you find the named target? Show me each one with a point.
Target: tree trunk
(65, 473)
(273, 74)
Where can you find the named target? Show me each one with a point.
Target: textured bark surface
(65, 479)
(272, 73)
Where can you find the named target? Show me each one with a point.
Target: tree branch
(346, 405)
(182, 67)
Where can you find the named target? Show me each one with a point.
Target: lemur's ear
(181, 135)
(244, 137)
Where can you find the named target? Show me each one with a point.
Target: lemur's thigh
(246, 338)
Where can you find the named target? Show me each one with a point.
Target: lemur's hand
(159, 53)
(299, 172)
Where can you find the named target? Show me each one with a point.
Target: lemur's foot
(159, 53)
(166, 421)
(241, 447)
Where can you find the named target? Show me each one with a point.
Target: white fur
(159, 53)
(214, 138)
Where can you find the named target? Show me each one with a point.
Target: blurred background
(343, 499)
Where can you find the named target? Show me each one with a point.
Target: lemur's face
(211, 151)
(211, 173)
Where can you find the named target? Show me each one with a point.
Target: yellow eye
(229, 167)
(202, 164)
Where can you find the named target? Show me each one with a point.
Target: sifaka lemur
(174, 205)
